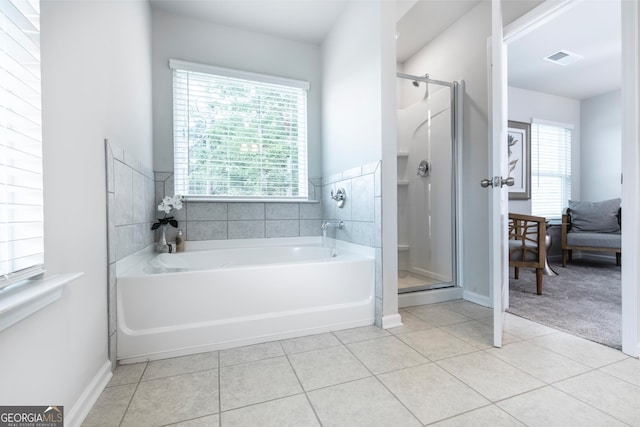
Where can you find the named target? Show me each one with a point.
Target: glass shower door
(426, 187)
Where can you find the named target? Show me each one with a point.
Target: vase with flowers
(168, 204)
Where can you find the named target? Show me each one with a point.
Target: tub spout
(332, 223)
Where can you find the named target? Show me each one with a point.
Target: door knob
(507, 181)
(486, 183)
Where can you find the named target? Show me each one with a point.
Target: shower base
(409, 282)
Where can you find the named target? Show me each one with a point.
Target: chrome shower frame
(456, 96)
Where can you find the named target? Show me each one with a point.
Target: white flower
(168, 203)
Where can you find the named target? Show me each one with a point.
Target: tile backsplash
(250, 220)
(243, 220)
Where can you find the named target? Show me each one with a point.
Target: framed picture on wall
(519, 158)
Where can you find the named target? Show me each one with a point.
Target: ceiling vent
(563, 57)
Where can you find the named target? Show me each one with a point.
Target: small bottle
(179, 242)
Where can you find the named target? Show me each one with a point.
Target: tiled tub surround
(226, 293)
(362, 215)
(243, 220)
(134, 191)
(130, 213)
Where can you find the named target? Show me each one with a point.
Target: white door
(498, 206)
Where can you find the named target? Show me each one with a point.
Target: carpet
(583, 300)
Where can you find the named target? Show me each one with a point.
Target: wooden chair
(527, 245)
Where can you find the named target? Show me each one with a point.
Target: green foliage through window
(235, 137)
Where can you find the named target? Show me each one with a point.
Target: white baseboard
(477, 298)
(429, 297)
(89, 396)
(391, 321)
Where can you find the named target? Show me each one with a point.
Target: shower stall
(428, 137)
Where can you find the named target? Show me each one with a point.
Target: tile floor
(438, 369)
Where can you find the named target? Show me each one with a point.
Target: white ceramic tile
(612, 395)
(469, 309)
(549, 407)
(489, 376)
(360, 334)
(437, 344)
(386, 354)
(488, 416)
(477, 334)
(540, 362)
(173, 399)
(256, 382)
(127, 374)
(294, 411)
(250, 353)
(110, 407)
(627, 369)
(327, 366)
(437, 315)
(364, 403)
(208, 421)
(523, 328)
(311, 342)
(579, 349)
(181, 365)
(431, 393)
(410, 323)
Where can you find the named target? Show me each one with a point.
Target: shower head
(416, 84)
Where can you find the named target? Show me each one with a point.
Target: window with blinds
(238, 134)
(550, 169)
(21, 211)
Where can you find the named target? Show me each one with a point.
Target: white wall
(525, 105)
(460, 53)
(95, 85)
(358, 125)
(351, 100)
(601, 147)
(198, 41)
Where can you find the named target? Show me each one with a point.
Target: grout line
(124, 414)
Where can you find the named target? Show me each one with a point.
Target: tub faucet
(326, 224)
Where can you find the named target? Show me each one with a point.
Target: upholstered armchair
(527, 245)
(591, 226)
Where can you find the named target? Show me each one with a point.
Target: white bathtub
(223, 294)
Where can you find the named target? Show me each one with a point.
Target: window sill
(197, 199)
(28, 299)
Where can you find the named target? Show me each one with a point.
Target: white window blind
(238, 134)
(21, 211)
(550, 169)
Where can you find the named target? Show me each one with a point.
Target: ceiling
(304, 20)
(590, 29)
